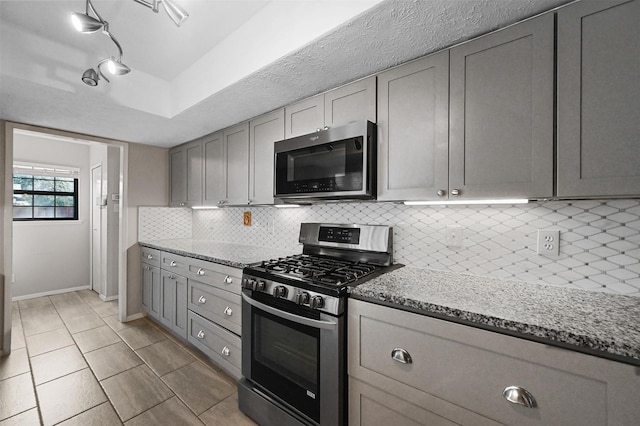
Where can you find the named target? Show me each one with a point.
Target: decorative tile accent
(599, 240)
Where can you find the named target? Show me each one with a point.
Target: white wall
(52, 256)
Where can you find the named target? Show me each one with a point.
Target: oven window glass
(286, 361)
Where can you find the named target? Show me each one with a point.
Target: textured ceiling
(264, 55)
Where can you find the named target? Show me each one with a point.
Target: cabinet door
(413, 108)
(167, 299)
(304, 117)
(150, 289)
(214, 170)
(599, 99)
(179, 324)
(194, 174)
(353, 102)
(236, 154)
(501, 122)
(263, 132)
(178, 177)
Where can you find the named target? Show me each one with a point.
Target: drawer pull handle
(228, 311)
(200, 334)
(520, 396)
(225, 351)
(202, 299)
(401, 356)
(200, 271)
(149, 256)
(173, 263)
(228, 279)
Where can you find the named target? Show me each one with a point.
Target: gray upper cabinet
(214, 170)
(599, 99)
(353, 102)
(413, 111)
(264, 131)
(186, 175)
(236, 155)
(226, 166)
(501, 113)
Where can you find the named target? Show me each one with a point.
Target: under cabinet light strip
(286, 206)
(204, 208)
(463, 202)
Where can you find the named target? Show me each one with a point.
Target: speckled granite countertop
(234, 255)
(596, 323)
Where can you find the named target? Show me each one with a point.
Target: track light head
(177, 14)
(85, 23)
(90, 77)
(116, 67)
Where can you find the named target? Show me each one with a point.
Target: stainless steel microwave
(333, 164)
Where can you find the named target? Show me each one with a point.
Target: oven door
(293, 354)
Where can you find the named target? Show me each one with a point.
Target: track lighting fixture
(177, 14)
(86, 24)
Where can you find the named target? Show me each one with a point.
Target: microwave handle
(288, 316)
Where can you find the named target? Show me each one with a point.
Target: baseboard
(107, 299)
(134, 317)
(49, 293)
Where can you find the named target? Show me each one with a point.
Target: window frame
(53, 173)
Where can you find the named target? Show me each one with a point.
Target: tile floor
(73, 363)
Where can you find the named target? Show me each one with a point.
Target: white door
(96, 227)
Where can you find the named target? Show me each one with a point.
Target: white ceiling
(230, 61)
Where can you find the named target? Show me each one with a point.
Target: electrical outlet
(454, 235)
(549, 243)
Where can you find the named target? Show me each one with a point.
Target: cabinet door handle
(173, 263)
(147, 268)
(202, 299)
(225, 351)
(200, 272)
(172, 277)
(455, 192)
(228, 279)
(200, 334)
(441, 193)
(228, 311)
(149, 256)
(401, 356)
(520, 396)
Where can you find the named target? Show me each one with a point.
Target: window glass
(40, 197)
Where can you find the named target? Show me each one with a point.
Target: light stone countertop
(596, 323)
(234, 255)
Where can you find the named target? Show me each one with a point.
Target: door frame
(92, 197)
(7, 130)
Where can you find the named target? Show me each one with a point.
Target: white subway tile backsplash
(599, 240)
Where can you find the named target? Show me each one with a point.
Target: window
(44, 193)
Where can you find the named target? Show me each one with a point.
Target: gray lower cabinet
(413, 130)
(352, 102)
(455, 373)
(501, 120)
(599, 99)
(185, 170)
(173, 305)
(198, 301)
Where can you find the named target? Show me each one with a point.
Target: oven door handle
(288, 316)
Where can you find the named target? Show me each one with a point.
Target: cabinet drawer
(217, 343)
(220, 276)
(150, 256)
(471, 368)
(174, 263)
(372, 406)
(219, 306)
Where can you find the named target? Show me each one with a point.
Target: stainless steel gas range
(294, 324)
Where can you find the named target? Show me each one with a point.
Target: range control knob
(261, 285)
(316, 302)
(302, 298)
(250, 283)
(280, 291)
